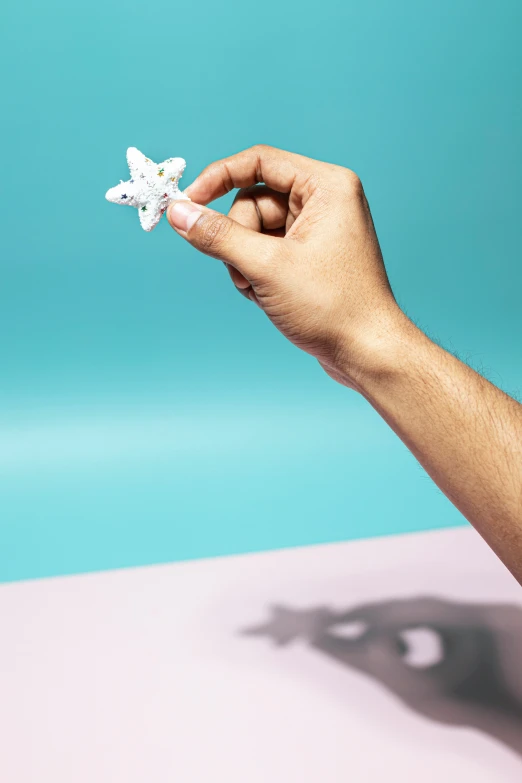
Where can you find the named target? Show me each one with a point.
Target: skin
(303, 247)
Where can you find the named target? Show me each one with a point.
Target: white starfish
(151, 188)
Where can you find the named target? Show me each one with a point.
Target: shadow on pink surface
(455, 663)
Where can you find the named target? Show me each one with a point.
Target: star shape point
(147, 190)
(287, 625)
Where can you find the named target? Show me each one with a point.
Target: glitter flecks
(152, 187)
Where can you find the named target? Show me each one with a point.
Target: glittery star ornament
(151, 188)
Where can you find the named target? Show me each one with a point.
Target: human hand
(302, 246)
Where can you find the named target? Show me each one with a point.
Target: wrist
(380, 354)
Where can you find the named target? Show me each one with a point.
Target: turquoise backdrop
(147, 412)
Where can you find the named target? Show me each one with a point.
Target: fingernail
(183, 214)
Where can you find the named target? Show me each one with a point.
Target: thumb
(221, 237)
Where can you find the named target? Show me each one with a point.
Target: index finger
(280, 170)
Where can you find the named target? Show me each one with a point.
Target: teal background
(147, 412)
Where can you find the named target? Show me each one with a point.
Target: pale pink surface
(142, 674)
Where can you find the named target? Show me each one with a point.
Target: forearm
(465, 432)
(300, 242)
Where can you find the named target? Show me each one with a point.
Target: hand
(302, 246)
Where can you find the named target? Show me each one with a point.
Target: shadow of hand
(454, 663)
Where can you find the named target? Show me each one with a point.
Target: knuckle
(353, 184)
(348, 181)
(260, 149)
(213, 233)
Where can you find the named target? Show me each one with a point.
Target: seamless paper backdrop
(147, 412)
